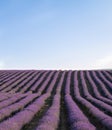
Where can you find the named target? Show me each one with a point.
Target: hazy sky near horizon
(55, 34)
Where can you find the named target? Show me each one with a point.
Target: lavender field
(55, 100)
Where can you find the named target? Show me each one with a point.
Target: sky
(56, 34)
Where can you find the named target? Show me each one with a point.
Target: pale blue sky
(55, 34)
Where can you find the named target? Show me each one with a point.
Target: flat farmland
(55, 100)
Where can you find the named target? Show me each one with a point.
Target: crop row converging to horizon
(55, 100)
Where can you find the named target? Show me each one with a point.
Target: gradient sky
(55, 34)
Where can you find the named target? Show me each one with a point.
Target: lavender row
(43, 86)
(50, 120)
(4, 85)
(77, 120)
(25, 116)
(15, 81)
(107, 75)
(4, 73)
(7, 111)
(8, 77)
(52, 84)
(11, 100)
(95, 91)
(31, 82)
(22, 84)
(26, 83)
(4, 96)
(60, 83)
(105, 80)
(102, 86)
(95, 113)
(101, 105)
(68, 81)
(35, 86)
